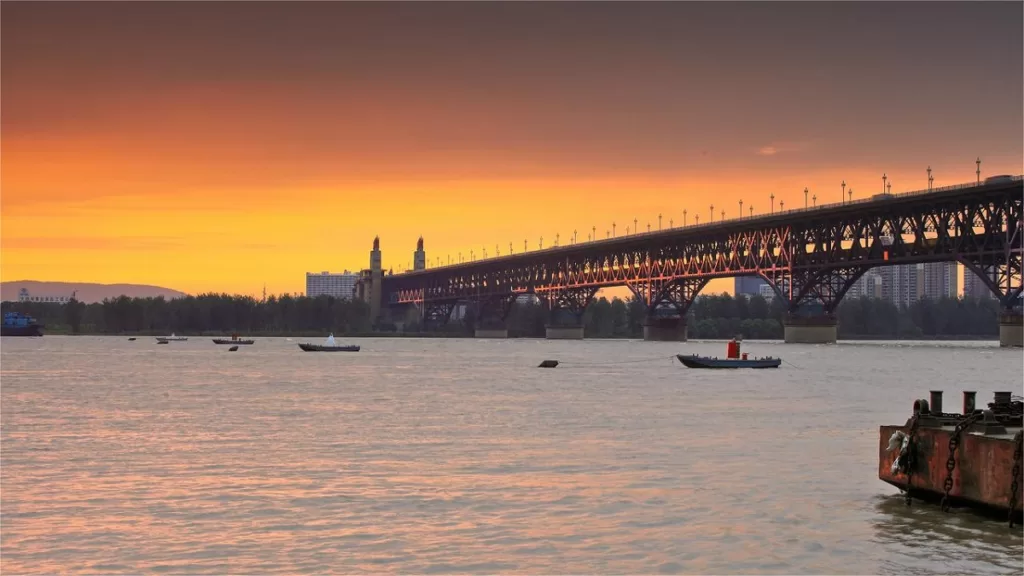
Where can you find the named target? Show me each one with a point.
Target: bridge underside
(811, 259)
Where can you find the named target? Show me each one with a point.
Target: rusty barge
(972, 459)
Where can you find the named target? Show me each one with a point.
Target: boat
(708, 362)
(328, 346)
(233, 340)
(733, 359)
(171, 338)
(18, 324)
(971, 459)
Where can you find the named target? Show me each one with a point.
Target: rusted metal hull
(982, 476)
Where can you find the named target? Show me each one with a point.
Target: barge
(972, 459)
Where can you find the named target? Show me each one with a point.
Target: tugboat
(972, 459)
(18, 324)
(733, 360)
(234, 340)
(329, 346)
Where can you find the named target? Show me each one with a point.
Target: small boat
(233, 340)
(162, 342)
(694, 361)
(733, 360)
(328, 346)
(171, 338)
(132, 339)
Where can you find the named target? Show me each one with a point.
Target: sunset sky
(221, 146)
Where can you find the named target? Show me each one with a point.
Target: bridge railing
(763, 216)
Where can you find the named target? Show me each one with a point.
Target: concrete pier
(1011, 331)
(564, 332)
(810, 330)
(665, 330)
(490, 333)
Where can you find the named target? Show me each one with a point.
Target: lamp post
(978, 162)
(888, 187)
(850, 194)
(659, 222)
(509, 248)
(670, 223)
(929, 177)
(883, 182)
(608, 234)
(723, 216)
(556, 240)
(773, 202)
(460, 257)
(636, 230)
(712, 212)
(814, 199)
(525, 248)
(805, 198)
(751, 211)
(540, 244)
(842, 197)
(696, 218)
(613, 229)
(574, 236)
(648, 227)
(684, 217)
(782, 205)
(594, 230)
(741, 208)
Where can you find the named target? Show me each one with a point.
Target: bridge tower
(376, 279)
(419, 257)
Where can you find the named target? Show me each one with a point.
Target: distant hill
(84, 291)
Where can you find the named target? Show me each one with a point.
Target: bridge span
(810, 257)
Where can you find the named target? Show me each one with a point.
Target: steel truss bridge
(808, 256)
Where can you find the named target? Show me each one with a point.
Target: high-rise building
(974, 286)
(868, 286)
(940, 280)
(748, 285)
(326, 284)
(901, 284)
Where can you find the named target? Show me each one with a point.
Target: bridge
(810, 257)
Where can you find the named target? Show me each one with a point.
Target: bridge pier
(665, 330)
(490, 333)
(1011, 330)
(810, 330)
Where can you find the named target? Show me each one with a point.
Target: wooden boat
(321, 348)
(233, 340)
(694, 361)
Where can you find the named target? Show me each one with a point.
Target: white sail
(330, 340)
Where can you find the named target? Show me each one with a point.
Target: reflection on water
(459, 456)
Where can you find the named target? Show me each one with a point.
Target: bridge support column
(566, 307)
(490, 316)
(665, 330)
(810, 330)
(1011, 330)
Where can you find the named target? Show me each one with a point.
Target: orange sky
(221, 156)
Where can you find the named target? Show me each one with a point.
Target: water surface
(435, 455)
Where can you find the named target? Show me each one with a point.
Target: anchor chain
(1018, 452)
(954, 442)
(908, 462)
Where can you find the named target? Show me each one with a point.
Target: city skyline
(207, 152)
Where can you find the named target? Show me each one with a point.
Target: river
(450, 455)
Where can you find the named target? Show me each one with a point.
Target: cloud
(781, 147)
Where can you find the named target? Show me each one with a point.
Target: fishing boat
(234, 340)
(734, 359)
(171, 338)
(329, 346)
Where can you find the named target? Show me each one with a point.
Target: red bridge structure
(810, 257)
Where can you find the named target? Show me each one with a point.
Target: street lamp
(525, 248)
(883, 182)
(696, 218)
(659, 222)
(574, 236)
(723, 216)
(978, 162)
(805, 198)
(751, 211)
(842, 197)
(741, 208)
(850, 194)
(648, 227)
(889, 187)
(540, 244)
(594, 230)
(773, 202)
(670, 223)
(509, 248)
(613, 228)
(556, 240)
(712, 212)
(684, 218)
(607, 233)
(815, 200)
(929, 178)
(635, 228)
(782, 205)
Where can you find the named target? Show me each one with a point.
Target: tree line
(710, 316)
